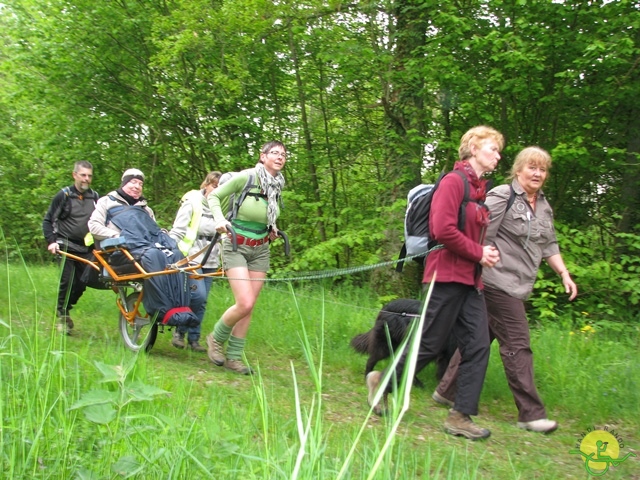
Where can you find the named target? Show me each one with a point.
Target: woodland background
(370, 97)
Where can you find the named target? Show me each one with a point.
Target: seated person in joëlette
(124, 213)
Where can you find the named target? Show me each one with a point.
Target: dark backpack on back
(417, 237)
(64, 209)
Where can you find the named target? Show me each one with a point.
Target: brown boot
(177, 339)
(238, 366)
(215, 350)
(461, 424)
(196, 347)
(441, 400)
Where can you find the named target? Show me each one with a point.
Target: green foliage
(102, 406)
(605, 268)
(369, 98)
(82, 406)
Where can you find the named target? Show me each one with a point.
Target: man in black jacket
(65, 228)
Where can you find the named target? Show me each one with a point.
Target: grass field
(85, 407)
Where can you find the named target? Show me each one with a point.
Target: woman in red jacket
(457, 304)
(522, 230)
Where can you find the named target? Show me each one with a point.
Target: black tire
(142, 334)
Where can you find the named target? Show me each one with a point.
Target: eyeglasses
(278, 154)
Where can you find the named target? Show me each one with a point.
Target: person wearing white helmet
(129, 193)
(124, 211)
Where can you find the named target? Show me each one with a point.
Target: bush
(605, 266)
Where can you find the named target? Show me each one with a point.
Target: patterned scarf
(271, 186)
(477, 191)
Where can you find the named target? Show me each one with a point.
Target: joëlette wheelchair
(138, 329)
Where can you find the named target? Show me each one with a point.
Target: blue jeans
(208, 281)
(199, 295)
(198, 305)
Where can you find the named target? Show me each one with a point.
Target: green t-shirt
(251, 221)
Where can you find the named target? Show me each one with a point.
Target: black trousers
(71, 286)
(460, 309)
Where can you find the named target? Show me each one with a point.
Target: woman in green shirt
(255, 226)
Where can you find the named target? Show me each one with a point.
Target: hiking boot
(215, 350)
(461, 424)
(373, 381)
(237, 366)
(196, 347)
(543, 425)
(177, 340)
(65, 324)
(441, 400)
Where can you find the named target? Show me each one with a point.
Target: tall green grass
(85, 407)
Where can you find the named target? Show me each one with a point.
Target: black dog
(397, 315)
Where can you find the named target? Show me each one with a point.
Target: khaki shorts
(254, 259)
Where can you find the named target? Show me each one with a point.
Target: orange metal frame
(141, 274)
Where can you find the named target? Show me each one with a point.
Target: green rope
(324, 273)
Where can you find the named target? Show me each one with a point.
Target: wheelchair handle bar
(216, 237)
(287, 246)
(234, 238)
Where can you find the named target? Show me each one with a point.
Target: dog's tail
(360, 343)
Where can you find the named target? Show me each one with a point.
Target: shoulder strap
(462, 213)
(116, 199)
(512, 198)
(60, 210)
(465, 183)
(94, 195)
(248, 186)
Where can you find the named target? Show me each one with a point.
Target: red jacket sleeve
(443, 219)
